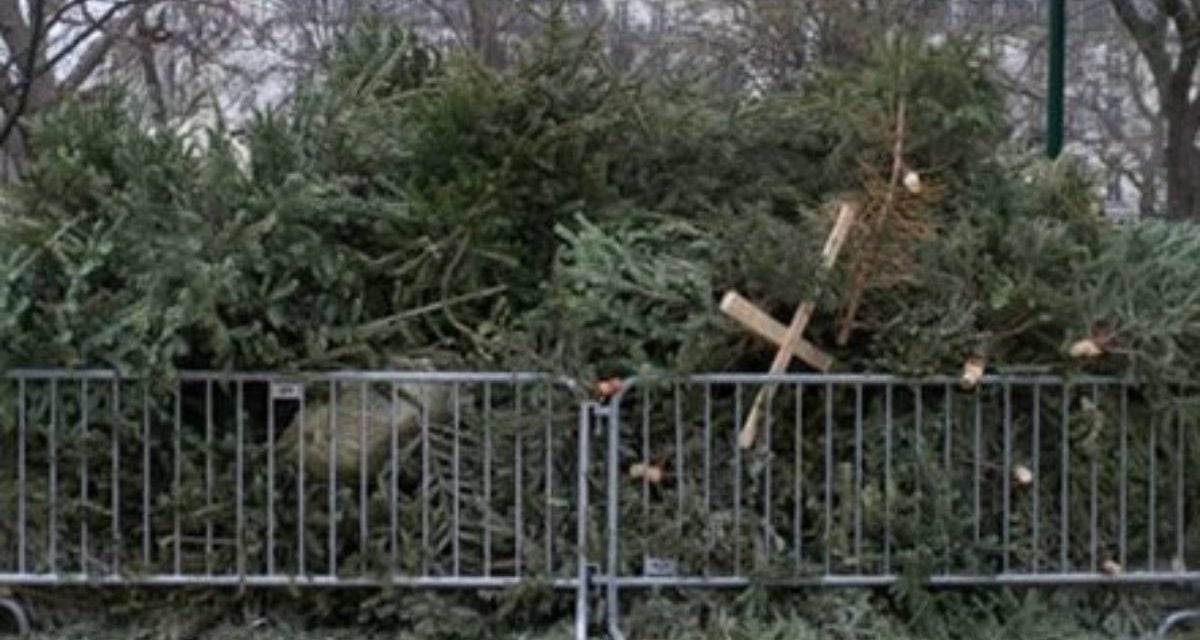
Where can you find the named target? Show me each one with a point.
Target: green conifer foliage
(563, 216)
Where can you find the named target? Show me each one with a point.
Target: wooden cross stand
(789, 339)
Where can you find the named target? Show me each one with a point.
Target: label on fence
(659, 567)
(287, 391)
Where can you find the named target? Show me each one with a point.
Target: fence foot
(1175, 618)
(16, 613)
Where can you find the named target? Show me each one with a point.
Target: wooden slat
(764, 326)
(833, 246)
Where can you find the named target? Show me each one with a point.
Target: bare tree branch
(31, 44)
(94, 54)
(1149, 35)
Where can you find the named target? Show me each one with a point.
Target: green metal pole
(1054, 89)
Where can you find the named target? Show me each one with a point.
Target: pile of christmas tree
(565, 217)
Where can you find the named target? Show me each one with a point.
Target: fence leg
(16, 612)
(612, 426)
(1174, 619)
(583, 584)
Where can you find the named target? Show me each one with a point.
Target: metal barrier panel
(860, 480)
(349, 479)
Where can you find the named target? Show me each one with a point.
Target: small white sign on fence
(287, 391)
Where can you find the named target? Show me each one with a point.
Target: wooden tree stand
(788, 339)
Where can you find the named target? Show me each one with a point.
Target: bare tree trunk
(1182, 183)
(484, 20)
(1172, 62)
(150, 73)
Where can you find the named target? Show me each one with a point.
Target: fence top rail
(882, 379)
(478, 377)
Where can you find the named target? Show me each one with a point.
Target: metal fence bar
(518, 481)
(797, 496)
(1036, 474)
(21, 489)
(887, 482)
(583, 520)
(177, 478)
(239, 471)
(334, 428)
(363, 536)
(52, 508)
(1180, 471)
(83, 476)
(208, 475)
(1123, 506)
(1152, 504)
(1065, 471)
(737, 481)
(487, 477)
(828, 504)
(1006, 474)
(394, 479)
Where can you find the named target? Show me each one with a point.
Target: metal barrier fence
(863, 480)
(421, 479)
(485, 481)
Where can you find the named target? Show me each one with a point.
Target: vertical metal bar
(1122, 497)
(828, 477)
(978, 447)
(583, 516)
(768, 427)
(301, 493)
(270, 542)
(1037, 471)
(487, 478)
(798, 488)
(645, 395)
(887, 479)
(240, 480)
(52, 516)
(21, 490)
(208, 475)
(518, 481)
(363, 537)
(858, 470)
(949, 409)
(947, 452)
(115, 415)
(1065, 512)
(425, 489)
(83, 477)
(547, 469)
(333, 458)
(1180, 463)
(612, 513)
(146, 531)
(680, 488)
(394, 479)
(457, 454)
(1007, 474)
(178, 479)
(737, 483)
(1094, 511)
(708, 524)
(1152, 480)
